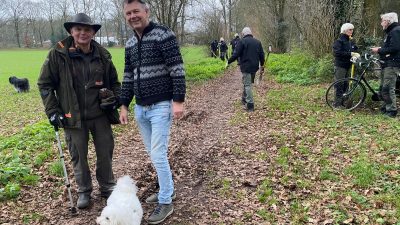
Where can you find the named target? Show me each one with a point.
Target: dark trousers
(388, 86)
(340, 73)
(78, 139)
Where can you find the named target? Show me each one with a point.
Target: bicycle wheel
(345, 94)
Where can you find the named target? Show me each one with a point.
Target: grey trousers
(340, 73)
(78, 139)
(388, 86)
(247, 87)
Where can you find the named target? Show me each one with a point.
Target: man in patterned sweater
(155, 76)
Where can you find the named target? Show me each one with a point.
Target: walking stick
(265, 63)
(67, 184)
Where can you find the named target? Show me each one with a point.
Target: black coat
(214, 45)
(342, 49)
(234, 42)
(250, 53)
(222, 46)
(390, 50)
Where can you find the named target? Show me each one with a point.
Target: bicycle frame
(348, 93)
(362, 78)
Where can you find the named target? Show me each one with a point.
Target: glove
(353, 59)
(56, 119)
(108, 101)
(227, 65)
(355, 54)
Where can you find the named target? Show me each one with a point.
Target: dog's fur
(123, 206)
(20, 85)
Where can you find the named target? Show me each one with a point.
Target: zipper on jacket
(140, 63)
(85, 78)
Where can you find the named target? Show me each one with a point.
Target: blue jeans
(154, 123)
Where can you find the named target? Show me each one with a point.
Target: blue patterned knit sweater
(153, 68)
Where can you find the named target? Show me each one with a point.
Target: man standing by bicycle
(390, 54)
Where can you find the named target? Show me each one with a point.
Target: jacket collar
(147, 29)
(391, 26)
(248, 35)
(345, 37)
(64, 45)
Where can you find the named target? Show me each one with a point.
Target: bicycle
(354, 90)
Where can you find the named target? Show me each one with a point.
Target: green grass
(364, 172)
(300, 67)
(26, 138)
(326, 152)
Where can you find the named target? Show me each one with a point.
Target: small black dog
(20, 85)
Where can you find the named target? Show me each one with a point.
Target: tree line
(285, 24)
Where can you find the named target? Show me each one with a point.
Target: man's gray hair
(345, 27)
(390, 17)
(246, 31)
(146, 7)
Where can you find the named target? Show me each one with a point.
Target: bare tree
(2, 13)
(167, 12)
(318, 31)
(50, 13)
(84, 6)
(62, 7)
(119, 21)
(211, 25)
(15, 10)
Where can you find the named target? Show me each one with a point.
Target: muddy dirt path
(214, 183)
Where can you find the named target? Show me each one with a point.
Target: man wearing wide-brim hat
(74, 73)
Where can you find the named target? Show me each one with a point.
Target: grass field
(26, 138)
(347, 164)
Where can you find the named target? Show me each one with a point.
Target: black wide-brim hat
(81, 19)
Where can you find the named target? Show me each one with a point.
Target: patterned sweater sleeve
(127, 91)
(173, 58)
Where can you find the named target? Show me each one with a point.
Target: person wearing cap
(234, 42)
(389, 53)
(344, 49)
(223, 48)
(155, 76)
(250, 55)
(72, 77)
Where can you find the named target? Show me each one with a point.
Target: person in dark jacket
(250, 53)
(390, 54)
(71, 78)
(155, 76)
(234, 42)
(214, 48)
(343, 50)
(223, 49)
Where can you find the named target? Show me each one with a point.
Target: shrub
(11, 190)
(300, 68)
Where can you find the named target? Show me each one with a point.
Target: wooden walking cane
(258, 81)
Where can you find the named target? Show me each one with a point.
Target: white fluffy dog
(123, 206)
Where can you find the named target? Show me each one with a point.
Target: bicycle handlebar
(371, 57)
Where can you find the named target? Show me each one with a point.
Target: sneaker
(83, 200)
(154, 198)
(161, 212)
